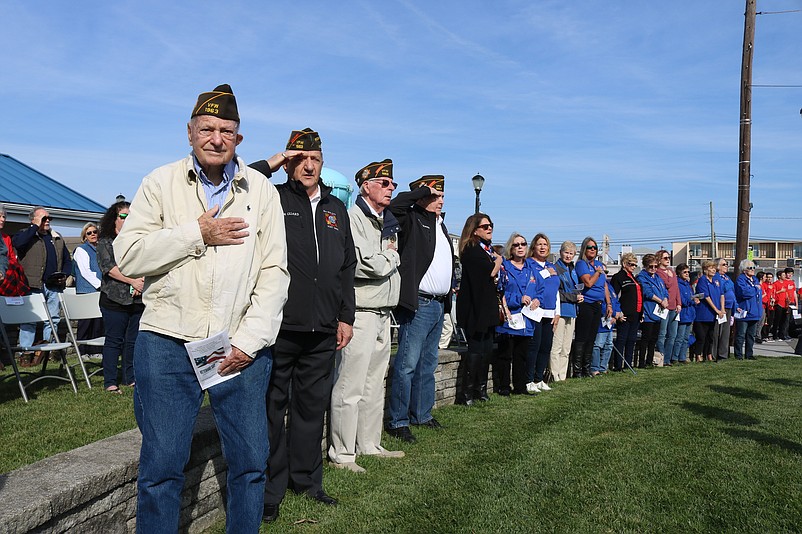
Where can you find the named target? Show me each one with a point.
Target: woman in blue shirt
(721, 340)
(748, 308)
(655, 300)
(569, 297)
(590, 272)
(708, 312)
(547, 297)
(517, 285)
(687, 314)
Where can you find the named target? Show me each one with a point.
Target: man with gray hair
(357, 397)
(207, 233)
(45, 260)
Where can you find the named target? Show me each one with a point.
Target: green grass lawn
(699, 448)
(56, 420)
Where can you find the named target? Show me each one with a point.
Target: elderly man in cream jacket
(207, 233)
(357, 399)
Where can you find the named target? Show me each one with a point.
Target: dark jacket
(477, 300)
(627, 288)
(321, 290)
(32, 255)
(416, 244)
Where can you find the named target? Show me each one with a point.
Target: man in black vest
(427, 267)
(318, 320)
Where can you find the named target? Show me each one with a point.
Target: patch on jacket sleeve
(331, 219)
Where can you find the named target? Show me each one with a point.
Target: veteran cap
(218, 103)
(306, 139)
(377, 169)
(435, 181)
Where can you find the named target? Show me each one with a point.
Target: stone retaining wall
(92, 489)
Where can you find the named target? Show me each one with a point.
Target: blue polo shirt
(594, 293)
(704, 313)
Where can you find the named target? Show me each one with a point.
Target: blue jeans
(27, 331)
(122, 328)
(412, 392)
(667, 336)
(745, 332)
(602, 349)
(167, 398)
(681, 341)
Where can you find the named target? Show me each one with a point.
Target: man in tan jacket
(207, 233)
(357, 397)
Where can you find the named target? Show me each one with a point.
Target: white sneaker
(542, 386)
(531, 388)
(348, 466)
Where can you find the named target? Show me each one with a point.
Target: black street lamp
(478, 181)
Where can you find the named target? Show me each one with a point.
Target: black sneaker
(402, 433)
(431, 423)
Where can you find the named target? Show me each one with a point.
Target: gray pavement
(776, 349)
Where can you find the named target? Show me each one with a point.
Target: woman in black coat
(478, 302)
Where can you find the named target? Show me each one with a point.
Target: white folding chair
(393, 327)
(32, 309)
(77, 308)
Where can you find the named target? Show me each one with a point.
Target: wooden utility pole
(744, 167)
(713, 247)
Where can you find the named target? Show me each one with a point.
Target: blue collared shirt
(216, 194)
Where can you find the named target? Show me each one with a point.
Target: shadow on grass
(765, 439)
(791, 383)
(722, 414)
(739, 392)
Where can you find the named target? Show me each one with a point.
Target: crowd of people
(658, 315)
(303, 288)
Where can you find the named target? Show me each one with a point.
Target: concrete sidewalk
(775, 349)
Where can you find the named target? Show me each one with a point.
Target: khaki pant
(561, 348)
(357, 398)
(448, 331)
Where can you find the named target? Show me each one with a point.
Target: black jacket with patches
(321, 288)
(416, 244)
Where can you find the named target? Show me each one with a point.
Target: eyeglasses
(633, 264)
(122, 215)
(592, 247)
(519, 244)
(488, 226)
(206, 133)
(652, 266)
(750, 268)
(47, 218)
(384, 182)
(91, 232)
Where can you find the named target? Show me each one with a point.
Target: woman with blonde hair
(478, 302)
(87, 274)
(569, 298)
(547, 297)
(515, 280)
(630, 297)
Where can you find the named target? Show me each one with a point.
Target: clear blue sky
(585, 117)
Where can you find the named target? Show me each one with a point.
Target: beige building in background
(766, 254)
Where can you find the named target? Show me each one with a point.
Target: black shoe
(270, 513)
(431, 423)
(504, 393)
(323, 498)
(402, 433)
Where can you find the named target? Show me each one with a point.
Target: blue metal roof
(21, 184)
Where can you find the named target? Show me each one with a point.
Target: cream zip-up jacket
(377, 282)
(193, 291)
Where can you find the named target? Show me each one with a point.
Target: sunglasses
(519, 244)
(652, 266)
(122, 215)
(488, 226)
(47, 218)
(385, 183)
(592, 247)
(750, 268)
(91, 232)
(632, 264)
